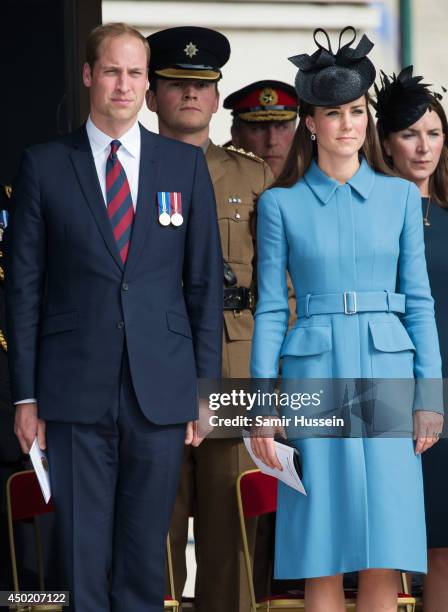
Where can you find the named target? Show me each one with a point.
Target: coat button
(120, 325)
(125, 287)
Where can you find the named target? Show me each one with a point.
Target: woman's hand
(262, 443)
(427, 429)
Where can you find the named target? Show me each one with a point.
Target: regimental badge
(190, 50)
(268, 97)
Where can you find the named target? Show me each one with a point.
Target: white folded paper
(285, 456)
(40, 464)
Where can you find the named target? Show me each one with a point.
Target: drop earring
(313, 136)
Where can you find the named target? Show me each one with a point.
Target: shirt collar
(99, 141)
(324, 186)
(205, 145)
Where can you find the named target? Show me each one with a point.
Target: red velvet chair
(25, 502)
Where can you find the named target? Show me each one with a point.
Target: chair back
(258, 493)
(25, 497)
(24, 502)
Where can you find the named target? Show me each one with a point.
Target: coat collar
(324, 186)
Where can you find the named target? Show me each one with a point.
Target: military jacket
(238, 179)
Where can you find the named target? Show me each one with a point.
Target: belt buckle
(347, 310)
(250, 299)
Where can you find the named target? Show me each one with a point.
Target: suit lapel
(146, 205)
(85, 170)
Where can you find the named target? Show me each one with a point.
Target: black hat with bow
(331, 79)
(402, 100)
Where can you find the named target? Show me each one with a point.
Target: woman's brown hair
(304, 150)
(438, 181)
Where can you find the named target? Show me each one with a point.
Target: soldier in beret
(264, 120)
(184, 71)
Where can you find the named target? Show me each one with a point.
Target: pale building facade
(263, 34)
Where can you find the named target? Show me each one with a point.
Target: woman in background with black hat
(413, 131)
(344, 230)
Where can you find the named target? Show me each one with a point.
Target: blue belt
(350, 303)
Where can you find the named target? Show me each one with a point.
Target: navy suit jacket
(73, 308)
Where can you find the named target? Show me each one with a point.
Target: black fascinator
(330, 79)
(401, 100)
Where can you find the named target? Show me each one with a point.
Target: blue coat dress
(364, 507)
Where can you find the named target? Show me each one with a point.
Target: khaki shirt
(242, 177)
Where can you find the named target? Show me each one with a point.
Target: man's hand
(192, 435)
(198, 430)
(427, 429)
(27, 426)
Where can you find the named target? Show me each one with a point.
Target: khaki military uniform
(238, 180)
(209, 472)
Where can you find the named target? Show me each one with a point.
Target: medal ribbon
(162, 199)
(176, 202)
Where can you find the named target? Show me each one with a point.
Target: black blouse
(436, 248)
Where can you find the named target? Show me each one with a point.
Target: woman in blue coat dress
(345, 231)
(413, 130)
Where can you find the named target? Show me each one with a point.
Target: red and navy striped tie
(119, 201)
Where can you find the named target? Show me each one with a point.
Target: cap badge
(268, 97)
(190, 49)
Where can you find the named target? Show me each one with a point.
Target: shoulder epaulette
(8, 190)
(244, 153)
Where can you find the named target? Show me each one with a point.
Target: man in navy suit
(114, 296)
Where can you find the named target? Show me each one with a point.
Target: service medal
(176, 208)
(164, 219)
(163, 202)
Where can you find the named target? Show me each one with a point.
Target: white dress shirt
(129, 156)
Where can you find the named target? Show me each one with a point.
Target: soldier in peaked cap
(264, 120)
(184, 69)
(188, 53)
